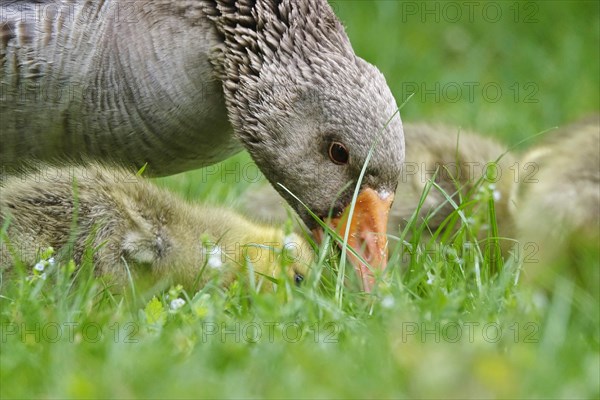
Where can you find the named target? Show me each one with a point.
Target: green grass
(448, 322)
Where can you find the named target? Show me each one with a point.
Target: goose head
(311, 114)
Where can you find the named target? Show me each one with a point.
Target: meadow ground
(445, 324)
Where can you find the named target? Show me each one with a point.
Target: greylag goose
(184, 84)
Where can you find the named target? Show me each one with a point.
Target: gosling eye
(298, 279)
(338, 153)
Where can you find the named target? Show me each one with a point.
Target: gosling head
(309, 111)
(281, 255)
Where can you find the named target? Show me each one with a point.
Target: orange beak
(367, 233)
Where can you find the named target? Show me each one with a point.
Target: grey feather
(181, 85)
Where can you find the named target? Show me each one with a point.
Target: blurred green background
(507, 68)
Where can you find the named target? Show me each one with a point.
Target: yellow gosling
(133, 224)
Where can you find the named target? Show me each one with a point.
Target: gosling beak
(367, 233)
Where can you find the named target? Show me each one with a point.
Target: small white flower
(497, 195)
(177, 304)
(40, 266)
(215, 258)
(430, 278)
(51, 261)
(387, 302)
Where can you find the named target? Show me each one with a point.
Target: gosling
(556, 208)
(138, 229)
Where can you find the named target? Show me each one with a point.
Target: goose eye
(298, 279)
(338, 153)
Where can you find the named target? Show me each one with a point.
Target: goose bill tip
(367, 233)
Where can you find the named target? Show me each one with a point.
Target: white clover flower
(497, 195)
(215, 256)
(430, 278)
(177, 304)
(387, 302)
(40, 266)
